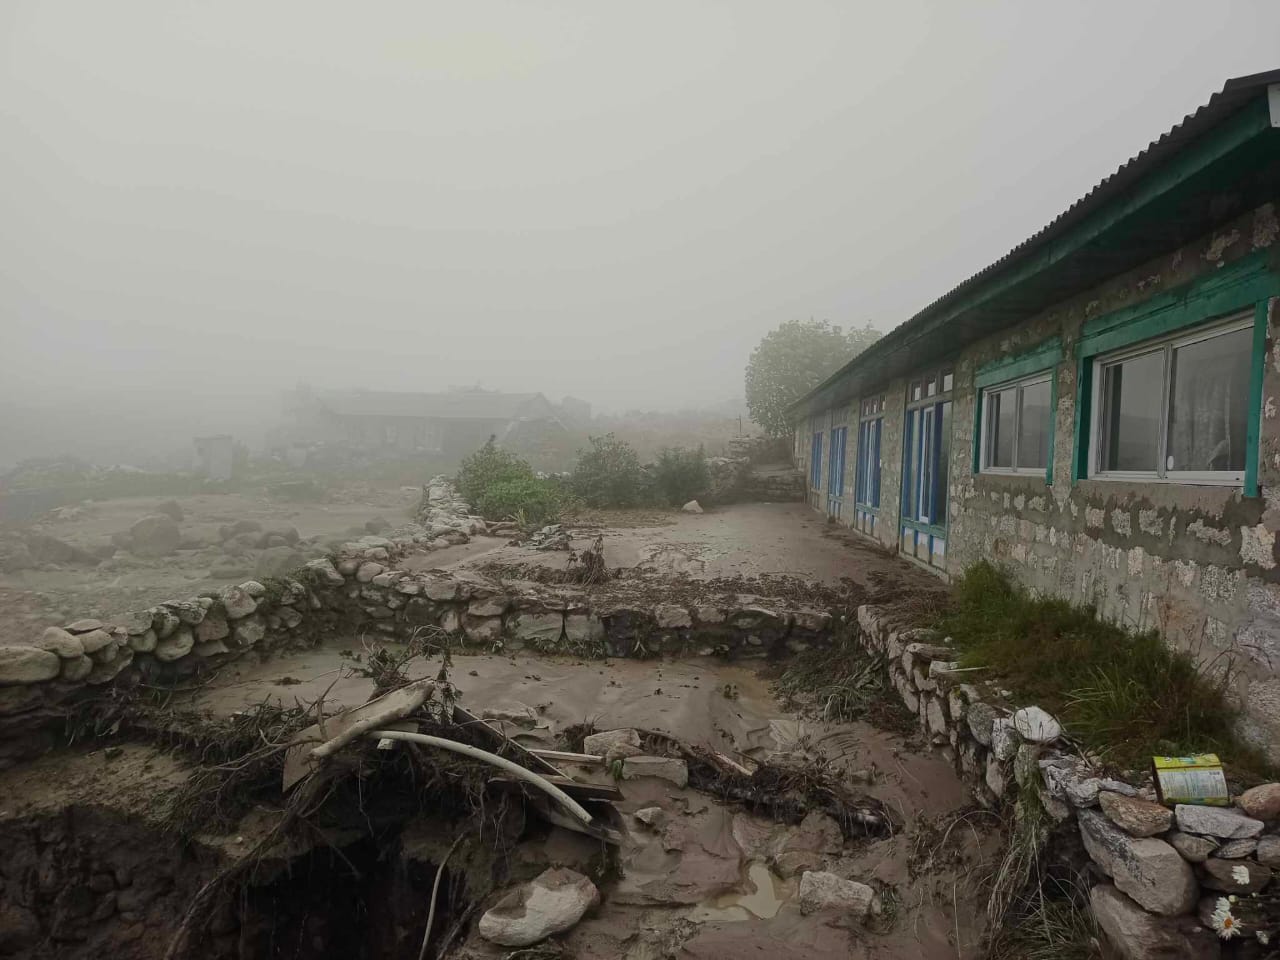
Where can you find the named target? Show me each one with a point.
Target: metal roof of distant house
(1119, 187)
(453, 405)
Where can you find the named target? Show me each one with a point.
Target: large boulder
(549, 904)
(1137, 935)
(154, 536)
(822, 891)
(1148, 870)
(22, 665)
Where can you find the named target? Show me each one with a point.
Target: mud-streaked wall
(1198, 563)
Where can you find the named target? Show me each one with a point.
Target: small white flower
(1240, 875)
(1223, 921)
(1264, 938)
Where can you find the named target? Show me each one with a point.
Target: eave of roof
(1116, 226)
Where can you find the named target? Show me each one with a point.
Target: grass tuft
(1122, 693)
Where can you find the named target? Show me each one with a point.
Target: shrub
(609, 474)
(486, 467)
(680, 475)
(528, 500)
(1124, 694)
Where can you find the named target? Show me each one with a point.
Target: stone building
(452, 424)
(1098, 410)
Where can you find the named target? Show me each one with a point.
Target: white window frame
(1034, 379)
(1234, 323)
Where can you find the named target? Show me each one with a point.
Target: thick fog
(205, 203)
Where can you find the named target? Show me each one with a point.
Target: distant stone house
(452, 424)
(1099, 410)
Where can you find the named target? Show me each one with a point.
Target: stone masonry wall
(1156, 875)
(1198, 563)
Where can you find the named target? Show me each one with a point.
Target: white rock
(1148, 870)
(820, 890)
(1036, 725)
(599, 744)
(1217, 822)
(238, 602)
(1004, 738)
(61, 642)
(550, 903)
(664, 768)
(693, 506)
(653, 817)
(325, 570)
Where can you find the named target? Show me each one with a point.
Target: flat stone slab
(1216, 822)
(670, 769)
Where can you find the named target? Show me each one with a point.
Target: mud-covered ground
(712, 880)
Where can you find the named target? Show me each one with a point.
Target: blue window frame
(815, 462)
(835, 472)
(926, 459)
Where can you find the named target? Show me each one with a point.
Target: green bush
(488, 466)
(680, 475)
(528, 500)
(609, 474)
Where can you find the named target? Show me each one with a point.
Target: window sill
(1023, 472)
(1231, 480)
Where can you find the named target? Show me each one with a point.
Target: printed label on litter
(1196, 779)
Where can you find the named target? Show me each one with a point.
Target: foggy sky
(205, 203)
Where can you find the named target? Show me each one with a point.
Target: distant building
(452, 424)
(574, 411)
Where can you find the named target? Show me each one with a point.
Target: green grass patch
(842, 683)
(1124, 694)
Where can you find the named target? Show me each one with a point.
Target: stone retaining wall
(1158, 874)
(332, 597)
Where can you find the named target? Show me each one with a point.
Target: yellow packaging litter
(1197, 779)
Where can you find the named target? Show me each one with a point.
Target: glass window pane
(1131, 399)
(927, 465)
(941, 475)
(915, 390)
(1208, 401)
(947, 379)
(912, 471)
(1000, 406)
(930, 386)
(1033, 427)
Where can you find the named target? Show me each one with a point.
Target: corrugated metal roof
(454, 405)
(1234, 94)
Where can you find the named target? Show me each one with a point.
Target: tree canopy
(792, 360)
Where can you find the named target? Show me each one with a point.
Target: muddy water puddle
(764, 896)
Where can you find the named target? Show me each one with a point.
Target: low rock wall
(169, 642)
(1158, 874)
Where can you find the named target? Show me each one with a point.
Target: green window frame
(1247, 284)
(1041, 359)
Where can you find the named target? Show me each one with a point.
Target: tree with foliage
(792, 360)
(608, 474)
(680, 475)
(488, 466)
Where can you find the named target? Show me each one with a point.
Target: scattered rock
(1216, 822)
(820, 890)
(599, 744)
(1193, 848)
(655, 818)
(1137, 935)
(665, 768)
(1234, 876)
(1261, 802)
(693, 506)
(1135, 816)
(1148, 870)
(1036, 725)
(154, 536)
(550, 903)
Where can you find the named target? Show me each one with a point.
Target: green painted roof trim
(1015, 367)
